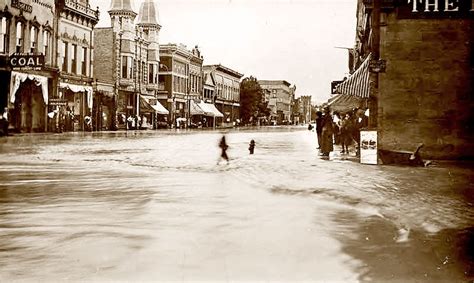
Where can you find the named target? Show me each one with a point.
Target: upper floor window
(33, 39)
(83, 61)
(74, 59)
(19, 37)
(4, 23)
(127, 67)
(46, 45)
(65, 53)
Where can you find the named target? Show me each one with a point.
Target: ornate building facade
(35, 65)
(226, 93)
(127, 73)
(181, 81)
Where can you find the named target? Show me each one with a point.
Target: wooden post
(374, 76)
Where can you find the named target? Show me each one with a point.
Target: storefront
(28, 102)
(152, 113)
(77, 113)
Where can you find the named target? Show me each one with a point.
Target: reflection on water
(155, 206)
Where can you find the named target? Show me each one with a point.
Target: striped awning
(357, 84)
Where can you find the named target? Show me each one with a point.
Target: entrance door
(29, 114)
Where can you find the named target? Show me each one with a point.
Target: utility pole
(374, 76)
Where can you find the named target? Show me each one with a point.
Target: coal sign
(26, 61)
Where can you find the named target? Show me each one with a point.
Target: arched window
(46, 45)
(33, 39)
(19, 37)
(4, 27)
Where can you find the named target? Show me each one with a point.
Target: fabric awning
(148, 107)
(357, 84)
(210, 109)
(196, 109)
(344, 103)
(17, 78)
(79, 88)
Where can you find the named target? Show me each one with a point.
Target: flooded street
(155, 206)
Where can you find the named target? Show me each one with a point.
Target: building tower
(149, 25)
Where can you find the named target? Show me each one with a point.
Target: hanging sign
(26, 61)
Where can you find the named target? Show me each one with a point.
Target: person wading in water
(223, 145)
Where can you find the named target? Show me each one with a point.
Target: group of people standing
(340, 129)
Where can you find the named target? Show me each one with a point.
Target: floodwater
(155, 205)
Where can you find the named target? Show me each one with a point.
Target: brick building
(422, 86)
(181, 81)
(127, 73)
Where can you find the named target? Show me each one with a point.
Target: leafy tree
(251, 99)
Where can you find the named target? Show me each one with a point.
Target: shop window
(19, 37)
(4, 23)
(84, 61)
(74, 59)
(46, 43)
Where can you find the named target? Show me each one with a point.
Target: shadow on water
(446, 256)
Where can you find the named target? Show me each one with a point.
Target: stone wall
(427, 92)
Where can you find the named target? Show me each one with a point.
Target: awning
(357, 84)
(343, 103)
(18, 78)
(146, 106)
(79, 88)
(196, 109)
(210, 109)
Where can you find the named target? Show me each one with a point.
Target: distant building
(226, 93)
(279, 95)
(305, 109)
(127, 64)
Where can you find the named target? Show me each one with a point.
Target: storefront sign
(368, 147)
(22, 6)
(412, 9)
(57, 102)
(26, 61)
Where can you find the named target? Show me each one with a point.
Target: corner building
(27, 31)
(32, 34)
(127, 67)
(425, 93)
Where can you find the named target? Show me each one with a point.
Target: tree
(251, 99)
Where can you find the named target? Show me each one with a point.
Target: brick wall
(426, 94)
(103, 55)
